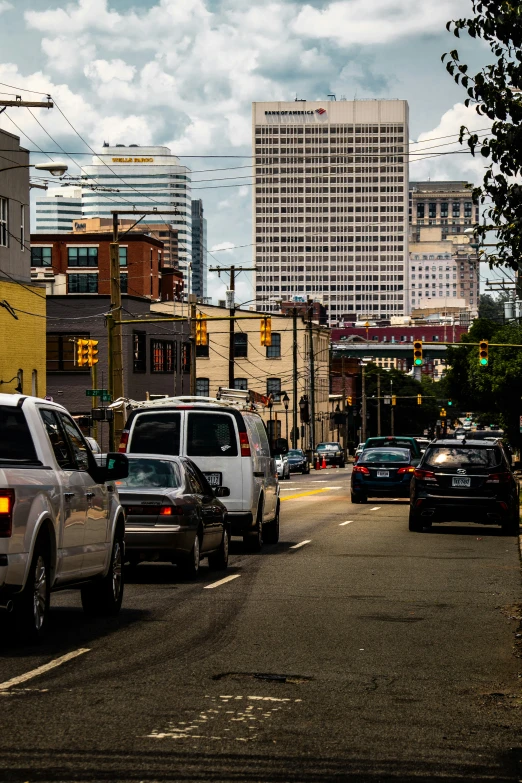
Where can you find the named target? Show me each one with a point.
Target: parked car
(59, 525)
(467, 481)
(298, 461)
(399, 441)
(358, 451)
(173, 514)
(282, 466)
(228, 442)
(332, 453)
(381, 472)
(95, 447)
(423, 444)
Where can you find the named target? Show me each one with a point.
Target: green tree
(495, 91)
(492, 308)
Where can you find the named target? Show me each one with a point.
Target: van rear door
(155, 432)
(212, 442)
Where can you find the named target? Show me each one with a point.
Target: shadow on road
(455, 529)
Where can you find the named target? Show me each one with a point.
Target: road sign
(106, 397)
(387, 400)
(95, 392)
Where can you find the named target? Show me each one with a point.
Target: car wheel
(415, 524)
(511, 527)
(31, 607)
(104, 596)
(271, 529)
(190, 564)
(218, 561)
(254, 540)
(356, 498)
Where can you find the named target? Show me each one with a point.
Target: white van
(229, 443)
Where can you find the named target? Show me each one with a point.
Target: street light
(286, 401)
(56, 169)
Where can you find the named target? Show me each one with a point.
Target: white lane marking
(346, 523)
(319, 481)
(221, 581)
(287, 489)
(302, 543)
(375, 508)
(333, 487)
(4, 686)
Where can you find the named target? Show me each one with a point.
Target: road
(368, 653)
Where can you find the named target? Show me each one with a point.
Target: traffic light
(450, 403)
(419, 399)
(417, 353)
(349, 400)
(483, 353)
(443, 413)
(394, 399)
(201, 330)
(266, 331)
(82, 352)
(304, 410)
(92, 352)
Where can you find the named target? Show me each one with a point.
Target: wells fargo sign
(133, 160)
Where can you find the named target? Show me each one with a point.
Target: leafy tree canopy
(495, 91)
(492, 308)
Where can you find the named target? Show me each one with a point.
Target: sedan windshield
(328, 447)
(385, 455)
(462, 457)
(295, 453)
(144, 472)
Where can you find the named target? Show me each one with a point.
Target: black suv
(465, 481)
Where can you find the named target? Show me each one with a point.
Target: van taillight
(7, 498)
(245, 445)
(124, 441)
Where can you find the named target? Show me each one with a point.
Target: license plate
(214, 479)
(383, 474)
(461, 481)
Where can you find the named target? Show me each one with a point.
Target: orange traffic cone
(323, 465)
(317, 464)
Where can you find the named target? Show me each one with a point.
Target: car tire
(103, 597)
(415, 525)
(511, 526)
(254, 540)
(271, 529)
(191, 562)
(356, 498)
(218, 561)
(31, 607)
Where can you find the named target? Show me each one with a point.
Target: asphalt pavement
(352, 650)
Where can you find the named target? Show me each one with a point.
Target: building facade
(80, 263)
(199, 250)
(58, 210)
(149, 178)
(266, 370)
(23, 304)
(330, 206)
(445, 205)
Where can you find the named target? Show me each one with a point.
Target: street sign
(106, 397)
(95, 392)
(387, 400)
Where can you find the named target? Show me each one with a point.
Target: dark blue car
(298, 461)
(382, 472)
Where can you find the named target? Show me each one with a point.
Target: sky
(184, 73)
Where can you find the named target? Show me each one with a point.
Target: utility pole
(344, 407)
(312, 382)
(378, 403)
(192, 347)
(232, 270)
(294, 380)
(48, 104)
(392, 409)
(114, 326)
(363, 407)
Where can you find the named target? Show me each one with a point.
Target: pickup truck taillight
(7, 499)
(123, 441)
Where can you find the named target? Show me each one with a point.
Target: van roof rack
(249, 400)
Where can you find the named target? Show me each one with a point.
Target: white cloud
(106, 71)
(5, 6)
(226, 247)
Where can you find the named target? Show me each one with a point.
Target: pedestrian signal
(419, 399)
(82, 352)
(417, 353)
(483, 353)
(92, 352)
(394, 399)
(201, 330)
(266, 331)
(349, 400)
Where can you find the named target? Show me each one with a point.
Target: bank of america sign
(294, 113)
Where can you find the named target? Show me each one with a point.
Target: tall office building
(448, 205)
(56, 212)
(149, 178)
(199, 250)
(330, 206)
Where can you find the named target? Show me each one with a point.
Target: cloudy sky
(184, 73)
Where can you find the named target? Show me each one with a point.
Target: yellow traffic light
(417, 353)
(394, 399)
(92, 352)
(266, 330)
(201, 330)
(483, 353)
(349, 400)
(82, 352)
(419, 399)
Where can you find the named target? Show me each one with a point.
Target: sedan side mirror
(222, 492)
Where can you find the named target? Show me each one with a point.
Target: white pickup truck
(60, 525)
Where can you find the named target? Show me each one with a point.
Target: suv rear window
(211, 435)
(385, 455)
(16, 443)
(156, 433)
(463, 457)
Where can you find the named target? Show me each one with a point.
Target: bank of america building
(148, 178)
(330, 206)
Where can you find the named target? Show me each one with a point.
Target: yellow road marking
(304, 494)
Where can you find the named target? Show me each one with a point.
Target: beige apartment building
(330, 206)
(266, 370)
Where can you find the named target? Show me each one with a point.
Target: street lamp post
(56, 169)
(286, 401)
